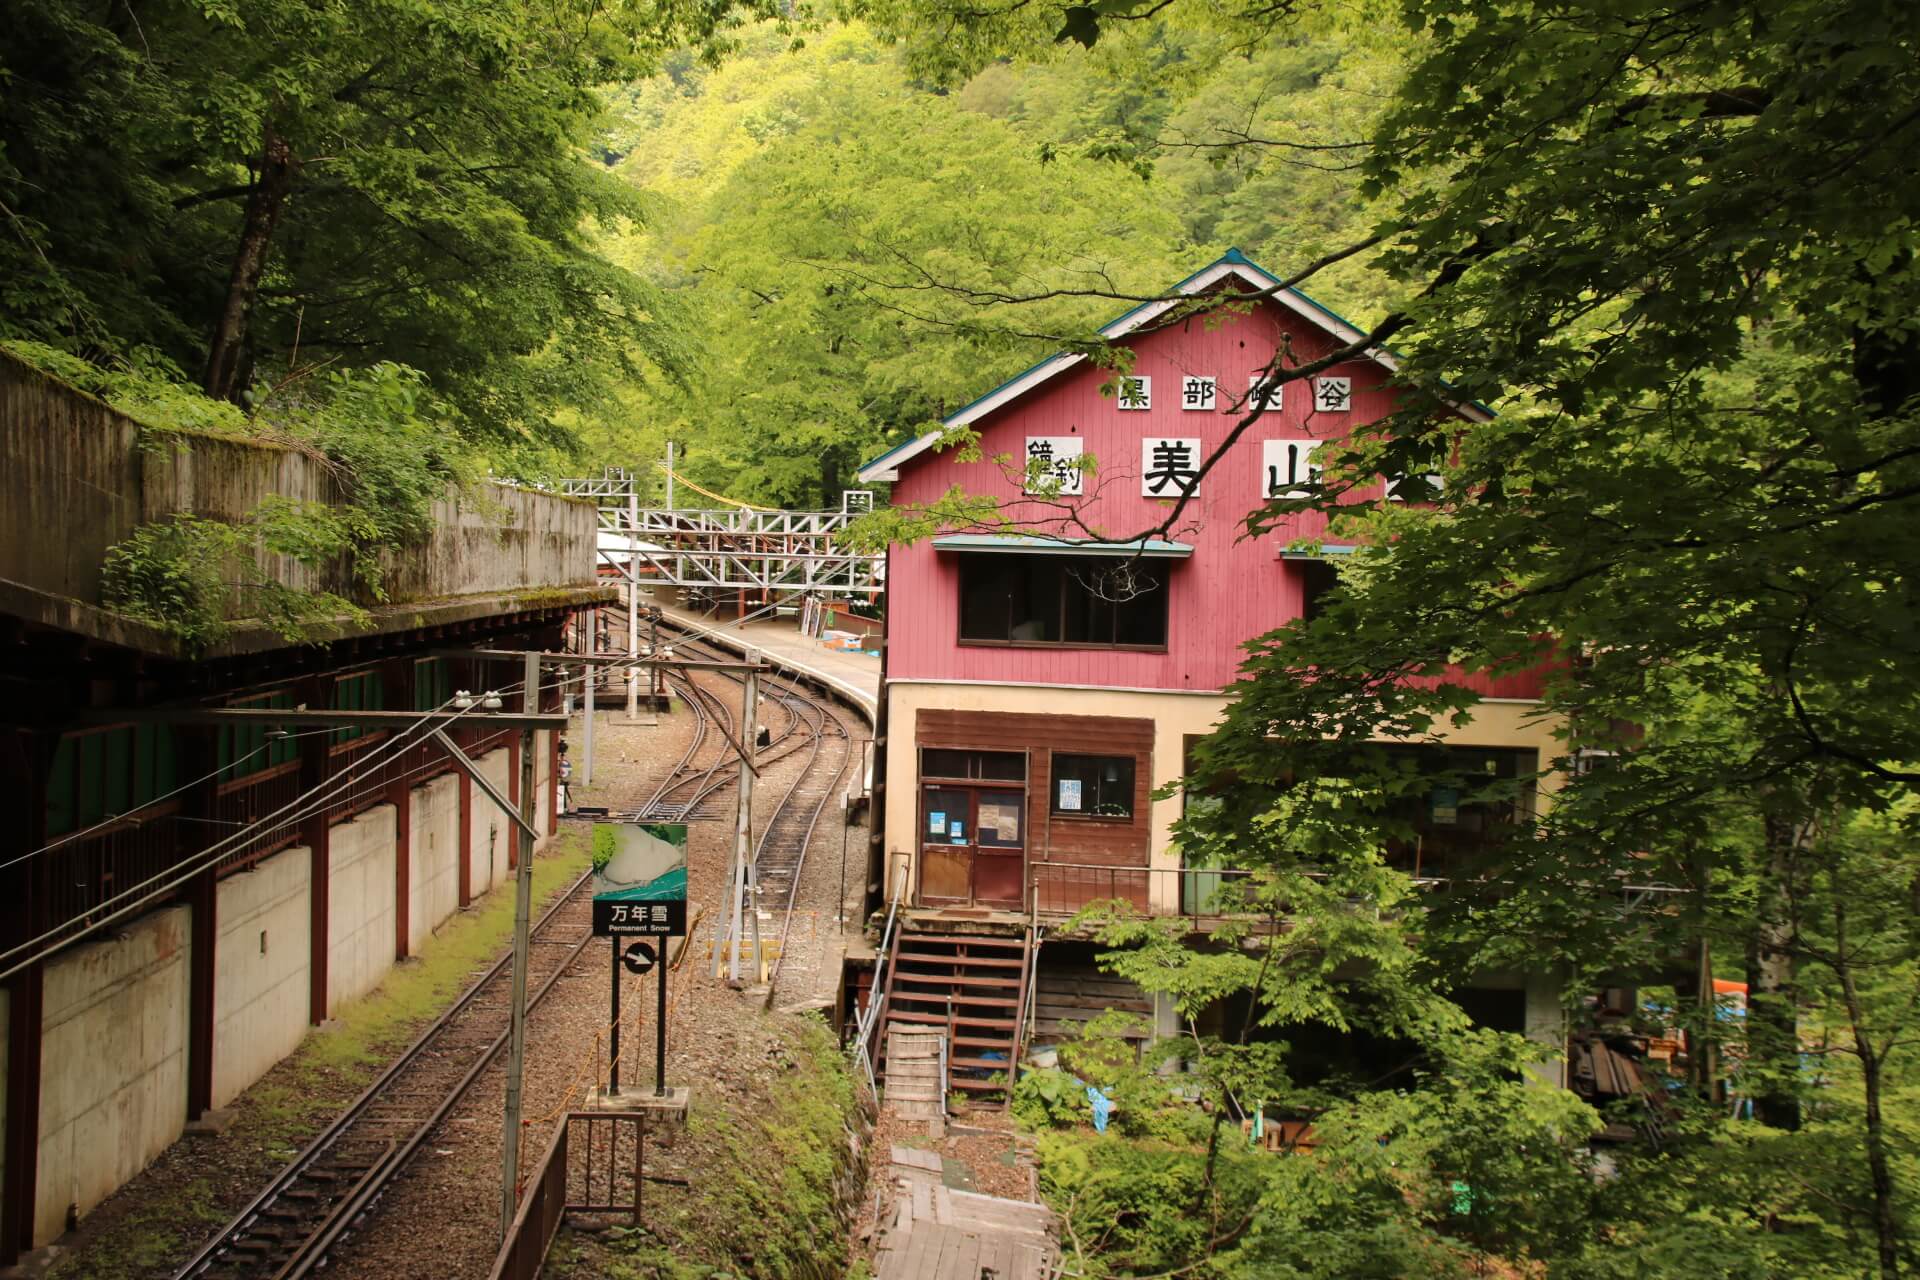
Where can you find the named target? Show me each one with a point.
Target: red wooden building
(1037, 692)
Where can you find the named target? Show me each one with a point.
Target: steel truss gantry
(726, 549)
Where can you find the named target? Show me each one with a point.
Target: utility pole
(633, 596)
(743, 821)
(590, 676)
(669, 475)
(522, 915)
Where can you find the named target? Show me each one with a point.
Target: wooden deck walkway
(937, 1233)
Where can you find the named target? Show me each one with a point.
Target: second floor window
(1076, 601)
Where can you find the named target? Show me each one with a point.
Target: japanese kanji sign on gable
(1134, 392)
(1058, 457)
(1169, 465)
(1270, 401)
(639, 879)
(1286, 466)
(1197, 394)
(1332, 395)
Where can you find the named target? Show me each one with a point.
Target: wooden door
(973, 846)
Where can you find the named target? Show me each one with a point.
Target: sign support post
(660, 1037)
(613, 1054)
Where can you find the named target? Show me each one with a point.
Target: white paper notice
(1069, 793)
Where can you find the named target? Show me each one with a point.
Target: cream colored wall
(433, 858)
(361, 901)
(262, 962)
(491, 831)
(113, 1083)
(1175, 716)
(542, 772)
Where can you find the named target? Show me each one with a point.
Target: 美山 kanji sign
(639, 879)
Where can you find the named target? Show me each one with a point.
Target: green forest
(1670, 242)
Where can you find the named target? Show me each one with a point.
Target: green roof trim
(1035, 544)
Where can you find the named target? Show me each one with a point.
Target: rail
(289, 1228)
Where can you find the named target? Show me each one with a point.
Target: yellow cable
(708, 493)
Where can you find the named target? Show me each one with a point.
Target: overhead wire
(307, 803)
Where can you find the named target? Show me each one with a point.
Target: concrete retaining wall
(113, 1089)
(361, 901)
(73, 483)
(433, 853)
(262, 967)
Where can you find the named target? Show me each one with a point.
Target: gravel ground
(441, 1216)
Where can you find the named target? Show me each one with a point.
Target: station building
(254, 921)
(1035, 700)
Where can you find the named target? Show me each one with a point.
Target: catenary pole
(743, 823)
(633, 596)
(590, 677)
(522, 914)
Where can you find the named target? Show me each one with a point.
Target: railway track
(813, 726)
(320, 1198)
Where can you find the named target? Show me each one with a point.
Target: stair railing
(863, 1041)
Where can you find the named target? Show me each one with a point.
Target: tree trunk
(1886, 1227)
(225, 353)
(1773, 1040)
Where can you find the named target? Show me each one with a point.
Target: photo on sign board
(639, 876)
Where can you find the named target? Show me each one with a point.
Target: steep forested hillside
(792, 184)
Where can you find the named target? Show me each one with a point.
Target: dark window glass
(1093, 786)
(60, 788)
(431, 684)
(1085, 601)
(356, 693)
(992, 766)
(1321, 580)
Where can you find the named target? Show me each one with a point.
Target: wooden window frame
(962, 640)
(1130, 818)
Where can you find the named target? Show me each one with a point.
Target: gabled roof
(1232, 263)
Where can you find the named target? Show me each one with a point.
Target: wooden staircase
(973, 987)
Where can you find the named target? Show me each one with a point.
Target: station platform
(853, 674)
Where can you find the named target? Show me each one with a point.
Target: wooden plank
(943, 1206)
(914, 1158)
(966, 1257)
(922, 1203)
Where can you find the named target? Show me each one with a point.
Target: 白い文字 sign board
(639, 879)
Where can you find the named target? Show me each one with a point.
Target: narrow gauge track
(781, 853)
(321, 1197)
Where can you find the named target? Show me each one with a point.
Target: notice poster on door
(937, 823)
(1069, 793)
(1002, 821)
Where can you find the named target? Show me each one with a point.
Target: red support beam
(465, 865)
(202, 895)
(25, 757)
(316, 766)
(402, 795)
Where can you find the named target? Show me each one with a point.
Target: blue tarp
(1102, 1108)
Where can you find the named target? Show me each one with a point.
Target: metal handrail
(863, 1041)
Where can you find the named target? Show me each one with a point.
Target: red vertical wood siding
(1233, 587)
